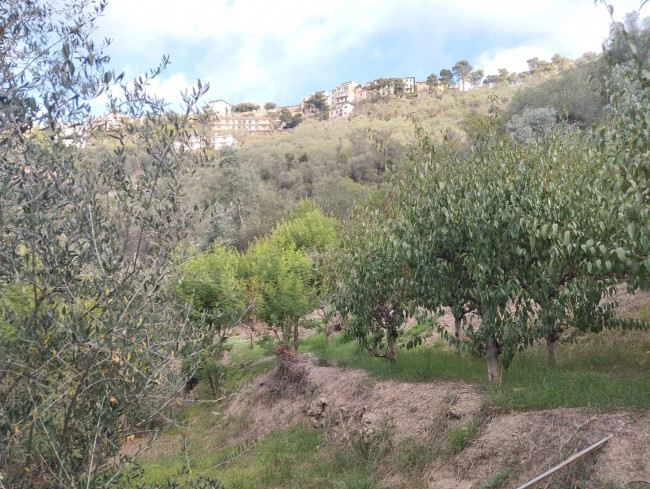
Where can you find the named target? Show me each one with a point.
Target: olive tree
(89, 334)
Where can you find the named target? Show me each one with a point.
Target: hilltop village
(226, 119)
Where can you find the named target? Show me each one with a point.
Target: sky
(282, 50)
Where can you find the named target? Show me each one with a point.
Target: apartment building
(114, 120)
(386, 86)
(344, 93)
(421, 86)
(253, 122)
(360, 93)
(189, 144)
(409, 84)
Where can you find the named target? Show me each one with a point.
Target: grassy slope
(607, 371)
(602, 372)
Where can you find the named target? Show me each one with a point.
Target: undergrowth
(603, 372)
(606, 372)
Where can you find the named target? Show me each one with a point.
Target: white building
(220, 107)
(254, 122)
(341, 110)
(224, 141)
(114, 120)
(192, 143)
(409, 84)
(74, 135)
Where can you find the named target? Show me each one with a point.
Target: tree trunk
(551, 343)
(241, 218)
(213, 388)
(392, 347)
(295, 337)
(327, 333)
(252, 339)
(457, 325)
(494, 371)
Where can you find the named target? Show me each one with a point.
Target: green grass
(498, 480)
(604, 372)
(421, 364)
(459, 436)
(607, 371)
(641, 313)
(296, 458)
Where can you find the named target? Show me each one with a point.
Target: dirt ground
(349, 405)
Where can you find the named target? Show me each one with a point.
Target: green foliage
(414, 455)
(306, 228)
(208, 283)
(372, 291)
(577, 95)
(300, 457)
(462, 71)
(212, 371)
(476, 77)
(491, 231)
(236, 196)
(280, 282)
(606, 371)
(337, 196)
(86, 336)
(272, 206)
(245, 107)
(386, 86)
(432, 80)
(629, 41)
(498, 480)
(289, 120)
(458, 437)
(446, 77)
(626, 176)
(531, 123)
(316, 106)
(283, 270)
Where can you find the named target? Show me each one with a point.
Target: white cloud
(259, 49)
(514, 59)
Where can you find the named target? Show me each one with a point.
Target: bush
(531, 123)
(576, 96)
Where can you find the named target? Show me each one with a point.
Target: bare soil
(350, 406)
(528, 444)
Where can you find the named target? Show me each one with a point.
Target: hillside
(335, 163)
(331, 417)
(300, 423)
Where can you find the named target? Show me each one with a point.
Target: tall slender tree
(462, 72)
